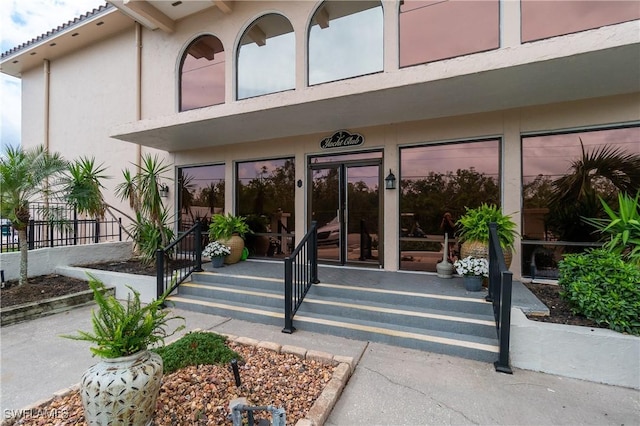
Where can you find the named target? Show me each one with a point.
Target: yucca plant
(125, 329)
(622, 227)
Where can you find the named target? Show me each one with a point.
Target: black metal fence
(56, 225)
(500, 287)
(179, 260)
(300, 272)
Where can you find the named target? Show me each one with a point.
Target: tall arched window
(266, 57)
(202, 74)
(345, 40)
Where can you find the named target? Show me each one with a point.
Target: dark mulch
(56, 285)
(39, 288)
(559, 310)
(131, 266)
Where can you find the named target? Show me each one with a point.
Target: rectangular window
(201, 194)
(544, 19)
(564, 176)
(440, 179)
(435, 30)
(265, 194)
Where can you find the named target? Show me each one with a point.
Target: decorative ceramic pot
(217, 261)
(122, 391)
(236, 244)
(480, 249)
(473, 282)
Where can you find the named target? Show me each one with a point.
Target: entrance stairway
(448, 322)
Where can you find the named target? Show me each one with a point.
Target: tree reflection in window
(266, 196)
(266, 57)
(202, 74)
(439, 179)
(201, 194)
(345, 40)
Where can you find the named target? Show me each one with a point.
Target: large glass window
(345, 40)
(202, 74)
(266, 57)
(439, 180)
(435, 30)
(201, 194)
(266, 196)
(564, 175)
(543, 19)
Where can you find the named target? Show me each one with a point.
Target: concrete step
(460, 325)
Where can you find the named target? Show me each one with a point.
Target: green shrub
(604, 288)
(196, 348)
(121, 329)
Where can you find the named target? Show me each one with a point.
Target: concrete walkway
(390, 386)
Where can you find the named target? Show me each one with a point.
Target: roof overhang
(401, 96)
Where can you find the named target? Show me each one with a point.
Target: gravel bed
(200, 395)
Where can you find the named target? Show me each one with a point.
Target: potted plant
(473, 271)
(474, 232)
(230, 231)
(216, 251)
(124, 386)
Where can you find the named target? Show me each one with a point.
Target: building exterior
(296, 111)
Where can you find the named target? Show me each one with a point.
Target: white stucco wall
(593, 354)
(45, 260)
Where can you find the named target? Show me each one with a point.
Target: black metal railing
(300, 272)
(500, 286)
(58, 225)
(176, 262)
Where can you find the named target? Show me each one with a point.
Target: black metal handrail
(176, 262)
(300, 271)
(500, 286)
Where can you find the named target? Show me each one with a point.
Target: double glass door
(346, 203)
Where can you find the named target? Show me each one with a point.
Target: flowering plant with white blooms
(216, 249)
(472, 266)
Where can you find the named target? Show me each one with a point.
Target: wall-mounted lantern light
(390, 181)
(164, 191)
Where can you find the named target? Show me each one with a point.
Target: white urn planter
(122, 391)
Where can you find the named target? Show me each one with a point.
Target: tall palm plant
(26, 176)
(150, 230)
(601, 172)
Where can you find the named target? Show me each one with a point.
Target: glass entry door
(345, 201)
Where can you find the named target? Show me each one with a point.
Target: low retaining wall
(45, 261)
(594, 354)
(144, 284)
(29, 311)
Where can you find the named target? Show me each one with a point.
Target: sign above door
(342, 139)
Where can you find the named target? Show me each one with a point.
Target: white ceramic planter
(122, 391)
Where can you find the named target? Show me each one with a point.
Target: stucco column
(391, 35)
(512, 180)
(391, 200)
(510, 23)
(300, 193)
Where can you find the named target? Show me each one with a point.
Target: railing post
(198, 247)
(314, 252)
(502, 365)
(31, 234)
(288, 296)
(120, 228)
(75, 227)
(96, 237)
(159, 273)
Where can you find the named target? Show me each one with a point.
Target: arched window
(266, 57)
(435, 30)
(345, 40)
(202, 74)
